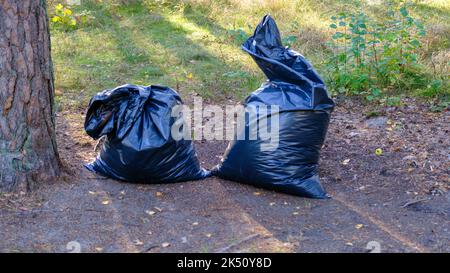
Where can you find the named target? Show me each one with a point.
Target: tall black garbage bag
(137, 121)
(304, 113)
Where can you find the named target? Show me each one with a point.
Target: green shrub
(376, 58)
(64, 18)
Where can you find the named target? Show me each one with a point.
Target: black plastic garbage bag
(304, 113)
(139, 147)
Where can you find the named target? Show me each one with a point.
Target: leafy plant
(64, 18)
(374, 57)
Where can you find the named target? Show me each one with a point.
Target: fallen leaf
(159, 194)
(378, 151)
(195, 224)
(346, 161)
(349, 244)
(92, 192)
(359, 226)
(121, 195)
(150, 212)
(165, 244)
(209, 235)
(257, 193)
(295, 213)
(105, 202)
(99, 249)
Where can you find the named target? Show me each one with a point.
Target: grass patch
(194, 46)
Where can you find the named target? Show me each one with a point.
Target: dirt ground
(395, 202)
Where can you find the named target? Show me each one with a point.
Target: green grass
(194, 46)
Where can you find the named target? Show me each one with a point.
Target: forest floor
(399, 200)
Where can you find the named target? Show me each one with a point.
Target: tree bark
(28, 152)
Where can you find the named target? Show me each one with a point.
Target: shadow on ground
(398, 201)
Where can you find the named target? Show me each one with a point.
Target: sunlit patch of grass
(441, 4)
(194, 46)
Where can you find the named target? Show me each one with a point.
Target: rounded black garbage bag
(139, 146)
(303, 114)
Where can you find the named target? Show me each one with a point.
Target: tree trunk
(28, 152)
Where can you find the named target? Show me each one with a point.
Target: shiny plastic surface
(139, 147)
(304, 113)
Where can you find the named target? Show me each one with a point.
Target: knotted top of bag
(114, 111)
(281, 64)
